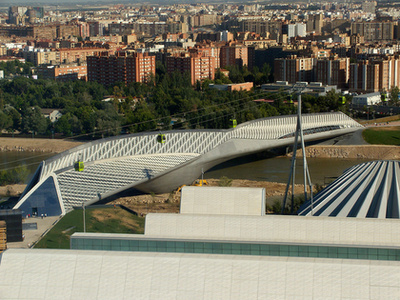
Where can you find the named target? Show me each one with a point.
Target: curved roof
(367, 190)
(138, 160)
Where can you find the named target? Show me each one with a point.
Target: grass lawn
(110, 220)
(382, 135)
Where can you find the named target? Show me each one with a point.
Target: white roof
(367, 190)
(287, 229)
(73, 274)
(222, 200)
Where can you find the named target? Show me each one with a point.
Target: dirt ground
(366, 152)
(36, 145)
(12, 190)
(170, 202)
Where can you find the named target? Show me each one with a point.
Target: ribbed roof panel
(367, 190)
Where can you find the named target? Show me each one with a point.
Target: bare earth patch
(36, 145)
(170, 202)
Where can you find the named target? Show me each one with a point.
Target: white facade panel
(367, 99)
(135, 275)
(222, 201)
(293, 229)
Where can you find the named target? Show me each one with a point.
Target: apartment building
(198, 64)
(147, 28)
(375, 74)
(70, 55)
(293, 69)
(373, 30)
(122, 67)
(333, 71)
(234, 54)
(315, 23)
(268, 29)
(62, 72)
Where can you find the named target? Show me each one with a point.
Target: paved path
(32, 236)
(354, 138)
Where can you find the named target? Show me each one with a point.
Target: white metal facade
(118, 163)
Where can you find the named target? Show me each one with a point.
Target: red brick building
(375, 74)
(109, 69)
(333, 71)
(62, 72)
(198, 64)
(234, 54)
(293, 69)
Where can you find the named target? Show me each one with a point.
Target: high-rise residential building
(269, 29)
(369, 7)
(20, 15)
(122, 67)
(209, 49)
(375, 74)
(197, 63)
(204, 19)
(293, 30)
(17, 15)
(234, 54)
(315, 23)
(374, 31)
(226, 36)
(147, 28)
(333, 71)
(293, 69)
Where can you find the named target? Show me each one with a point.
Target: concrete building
(222, 255)
(367, 99)
(293, 30)
(293, 69)
(123, 67)
(52, 114)
(204, 19)
(246, 86)
(63, 72)
(374, 30)
(315, 23)
(333, 71)
(223, 201)
(312, 88)
(269, 29)
(369, 7)
(375, 74)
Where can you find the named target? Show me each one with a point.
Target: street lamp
(84, 220)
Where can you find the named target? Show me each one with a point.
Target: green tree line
(142, 107)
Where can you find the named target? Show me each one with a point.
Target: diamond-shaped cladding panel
(97, 179)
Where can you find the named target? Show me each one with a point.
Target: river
(275, 169)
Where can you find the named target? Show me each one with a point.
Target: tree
(15, 117)
(34, 121)
(142, 118)
(5, 121)
(394, 94)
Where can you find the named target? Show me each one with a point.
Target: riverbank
(36, 145)
(322, 151)
(376, 152)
